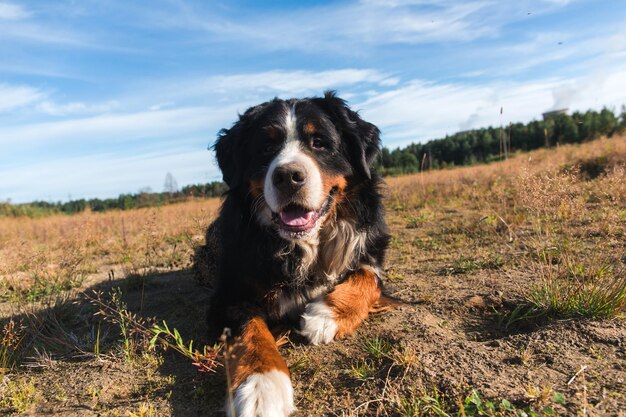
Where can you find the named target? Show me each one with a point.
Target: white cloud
(350, 28)
(60, 30)
(346, 28)
(35, 33)
(115, 121)
(108, 154)
(420, 111)
(400, 3)
(16, 96)
(55, 109)
(560, 51)
(246, 89)
(558, 2)
(297, 82)
(116, 128)
(10, 11)
(105, 175)
(160, 106)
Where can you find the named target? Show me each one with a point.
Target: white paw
(269, 394)
(317, 323)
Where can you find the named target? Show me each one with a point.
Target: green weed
(46, 287)
(16, 395)
(205, 360)
(427, 404)
(299, 365)
(145, 410)
(377, 347)
(363, 370)
(124, 319)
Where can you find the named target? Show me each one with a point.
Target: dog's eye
(318, 144)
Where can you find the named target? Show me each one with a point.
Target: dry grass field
(512, 276)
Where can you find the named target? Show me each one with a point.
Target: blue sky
(99, 98)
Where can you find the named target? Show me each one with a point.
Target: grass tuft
(591, 289)
(377, 347)
(363, 370)
(205, 360)
(12, 336)
(17, 395)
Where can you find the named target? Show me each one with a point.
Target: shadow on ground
(73, 381)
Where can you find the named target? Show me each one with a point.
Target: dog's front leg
(341, 311)
(260, 379)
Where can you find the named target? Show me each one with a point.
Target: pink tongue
(296, 217)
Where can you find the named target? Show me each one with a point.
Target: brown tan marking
(309, 128)
(256, 187)
(255, 352)
(274, 132)
(330, 182)
(352, 300)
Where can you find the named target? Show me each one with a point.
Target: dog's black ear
(226, 148)
(362, 138)
(230, 147)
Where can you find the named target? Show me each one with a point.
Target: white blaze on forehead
(291, 124)
(292, 152)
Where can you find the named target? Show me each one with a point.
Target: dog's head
(293, 160)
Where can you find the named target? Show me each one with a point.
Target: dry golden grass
(548, 192)
(472, 182)
(64, 250)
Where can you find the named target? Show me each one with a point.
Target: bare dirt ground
(470, 247)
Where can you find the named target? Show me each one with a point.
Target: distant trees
(211, 189)
(170, 186)
(143, 198)
(484, 145)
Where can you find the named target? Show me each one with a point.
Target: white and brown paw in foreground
(341, 311)
(267, 394)
(317, 323)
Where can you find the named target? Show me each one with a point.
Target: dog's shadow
(178, 299)
(69, 329)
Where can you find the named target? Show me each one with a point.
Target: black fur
(257, 267)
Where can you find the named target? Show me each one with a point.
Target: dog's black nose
(289, 178)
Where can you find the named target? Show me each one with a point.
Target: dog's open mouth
(297, 221)
(295, 218)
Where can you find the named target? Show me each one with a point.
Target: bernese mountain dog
(300, 239)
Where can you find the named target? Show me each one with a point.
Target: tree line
(462, 148)
(495, 143)
(144, 198)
